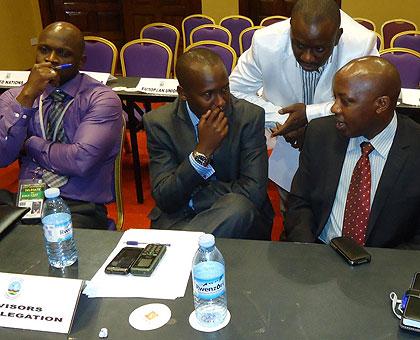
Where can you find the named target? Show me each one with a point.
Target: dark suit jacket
(395, 214)
(240, 162)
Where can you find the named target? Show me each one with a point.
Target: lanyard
(41, 118)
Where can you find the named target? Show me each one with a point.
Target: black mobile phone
(352, 252)
(148, 260)
(410, 319)
(122, 262)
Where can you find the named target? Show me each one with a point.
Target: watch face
(201, 159)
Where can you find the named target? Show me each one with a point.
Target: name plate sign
(13, 78)
(158, 86)
(37, 302)
(99, 76)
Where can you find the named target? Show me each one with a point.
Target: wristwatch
(201, 158)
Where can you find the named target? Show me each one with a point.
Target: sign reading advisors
(37, 302)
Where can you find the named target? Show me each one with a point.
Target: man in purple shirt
(92, 124)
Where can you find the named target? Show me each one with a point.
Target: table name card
(13, 78)
(38, 302)
(158, 86)
(99, 76)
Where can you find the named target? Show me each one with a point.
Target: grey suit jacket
(395, 215)
(240, 162)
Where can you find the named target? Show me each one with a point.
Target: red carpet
(135, 215)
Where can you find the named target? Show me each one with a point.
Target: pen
(62, 67)
(136, 243)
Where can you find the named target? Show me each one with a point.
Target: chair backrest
(245, 38)
(408, 64)
(226, 52)
(407, 39)
(165, 33)
(236, 24)
(101, 55)
(211, 32)
(117, 181)
(369, 24)
(379, 41)
(272, 20)
(146, 58)
(391, 27)
(192, 21)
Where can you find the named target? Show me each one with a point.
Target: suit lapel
(186, 133)
(333, 174)
(393, 166)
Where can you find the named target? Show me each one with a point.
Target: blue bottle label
(58, 228)
(209, 280)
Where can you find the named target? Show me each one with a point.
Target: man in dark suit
(208, 159)
(358, 174)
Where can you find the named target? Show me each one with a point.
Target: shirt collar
(381, 142)
(70, 87)
(193, 117)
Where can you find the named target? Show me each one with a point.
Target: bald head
(366, 92)
(317, 11)
(68, 32)
(376, 75)
(196, 62)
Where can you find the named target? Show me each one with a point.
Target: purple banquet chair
(192, 21)
(272, 20)
(146, 58)
(369, 24)
(408, 64)
(101, 55)
(226, 52)
(165, 33)
(236, 24)
(407, 39)
(211, 32)
(379, 41)
(391, 27)
(245, 38)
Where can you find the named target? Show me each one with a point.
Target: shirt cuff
(204, 171)
(318, 110)
(21, 114)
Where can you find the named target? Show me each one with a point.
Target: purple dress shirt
(92, 125)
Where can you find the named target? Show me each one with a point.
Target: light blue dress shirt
(382, 143)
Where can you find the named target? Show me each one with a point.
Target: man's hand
(212, 129)
(296, 137)
(296, 120)
(41, 75)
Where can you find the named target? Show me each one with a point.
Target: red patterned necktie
(356, 213)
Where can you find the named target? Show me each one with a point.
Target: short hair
(316, 11)
(201, 56)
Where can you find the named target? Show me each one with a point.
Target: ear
(382, 104)
(339, 33)
(181, 92)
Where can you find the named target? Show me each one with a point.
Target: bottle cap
(206, 240)
(52, 192)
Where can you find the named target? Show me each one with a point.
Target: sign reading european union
(160, 86)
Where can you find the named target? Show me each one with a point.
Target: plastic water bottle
(209, 289)
(58, 230)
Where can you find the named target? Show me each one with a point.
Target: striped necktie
(55, 123)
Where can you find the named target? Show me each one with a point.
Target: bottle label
(58, 232)
(209, 280)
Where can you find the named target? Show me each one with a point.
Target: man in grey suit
(208, 157)
(367, 147)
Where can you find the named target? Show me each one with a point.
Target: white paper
(158, 86)
(38, 302)
(283, 163)
(168, 281)
(410, 96)
(99, 76)
(13, 78)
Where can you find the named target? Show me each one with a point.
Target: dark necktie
(55, 121)
(356, 213)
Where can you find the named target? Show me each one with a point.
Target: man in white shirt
(294, 62)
